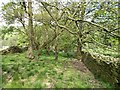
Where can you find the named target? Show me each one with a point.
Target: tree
(13, 11)
(73, 15)
(32, 45)
(90, 24)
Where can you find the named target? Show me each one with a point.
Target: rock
(11, 49)
(15, 49)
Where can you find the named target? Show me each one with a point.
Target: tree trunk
(80, 27)
(30, 32)
(47, 47)
(79, 49)
(56, 52)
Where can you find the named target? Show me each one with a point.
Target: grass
(20, 72)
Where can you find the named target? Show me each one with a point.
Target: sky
(1, 21)
(5, 1)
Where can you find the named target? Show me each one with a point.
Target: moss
(107, 69)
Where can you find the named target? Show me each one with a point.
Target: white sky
(5, 1)
(1, 21)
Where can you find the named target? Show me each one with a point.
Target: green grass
(20, 72)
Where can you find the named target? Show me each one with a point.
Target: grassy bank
(20, 72)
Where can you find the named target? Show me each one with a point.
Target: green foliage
(47, 26)
(11, 36)
(7, 31)
(12, 11)
(22, 40)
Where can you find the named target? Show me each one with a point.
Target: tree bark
(47, 48)
(56, 52)
(79, 49)
(80, 27)
(30, 32)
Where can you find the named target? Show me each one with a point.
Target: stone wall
(105, 67)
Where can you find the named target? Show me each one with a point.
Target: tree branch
(97, 25)
(61, 26)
